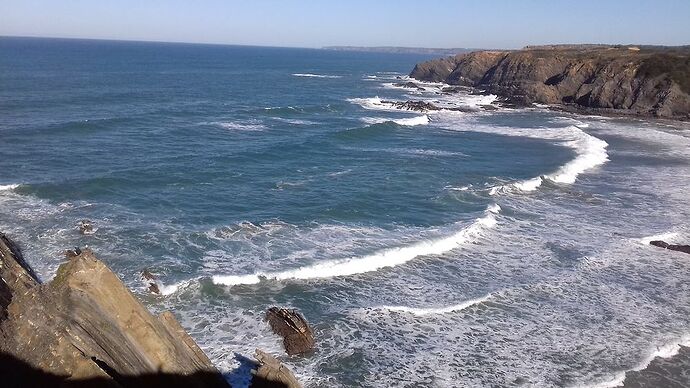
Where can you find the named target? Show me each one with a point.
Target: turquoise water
(490, 247)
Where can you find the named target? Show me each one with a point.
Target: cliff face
(85, 324)
(648, 81)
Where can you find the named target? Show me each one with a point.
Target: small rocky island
(649, 81)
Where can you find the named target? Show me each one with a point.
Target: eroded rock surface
(272, 374)
(645, 81)
(85, 324)
(298, 337)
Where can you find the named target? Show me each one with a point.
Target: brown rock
(272, 374)
(650, 81)
(85, 324)
(298, 337)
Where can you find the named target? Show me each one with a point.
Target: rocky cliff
(85, 324)
(646, 81)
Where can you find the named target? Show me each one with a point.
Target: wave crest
(387, 258)
(435, 310)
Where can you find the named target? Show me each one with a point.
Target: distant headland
(610, 79)
(402, 50)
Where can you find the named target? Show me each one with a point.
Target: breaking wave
(387, 258)
(435, 310)
(410, 121)
(8, 187)
(310, 75)
(591, 152)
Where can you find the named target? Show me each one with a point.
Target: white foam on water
(9, 187)
(294, 121)
(310, 75)
(591, 152)
(249, 125)
(666, 350)
(422, 311)
(387, 258)
(669, 236)
(373, 103)
(173, 288)
(462, 188)
(409, 122)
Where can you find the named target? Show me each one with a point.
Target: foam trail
(383, 259)
(436, 310)
(410, 121)
(310, 75)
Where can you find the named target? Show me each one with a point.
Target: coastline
(603, 80)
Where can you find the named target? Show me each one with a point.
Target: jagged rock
(672, 247)
(408, 85)
(419, 106)
(85, 324)
(86, 227)
(152, 281)
(272, 374)
(649, 81)
(298, 338)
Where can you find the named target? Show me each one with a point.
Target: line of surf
(310, 75)
(591, 152)
(386, 258)
(419, 311)
(409, 121)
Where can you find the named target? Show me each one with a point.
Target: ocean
(473, 246)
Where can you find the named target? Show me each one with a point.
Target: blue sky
(305, 23)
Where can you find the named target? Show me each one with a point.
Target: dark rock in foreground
(645, 81)
(672, 247)
(85, 325)
(298, 338)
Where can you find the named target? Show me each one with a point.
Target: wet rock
(152, 281)
(419, 106)
(408, 85)
(85, 324)
(298, 337)
(146, 274)
(272, 374)
(673, 247)
(86, 227)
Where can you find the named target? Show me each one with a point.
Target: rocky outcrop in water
(85, 325)
(646, 81)
(298, 337)
(672, 247)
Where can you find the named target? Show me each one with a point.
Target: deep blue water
(251, 176)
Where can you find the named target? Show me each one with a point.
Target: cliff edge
(645, 81)
(85, 325)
